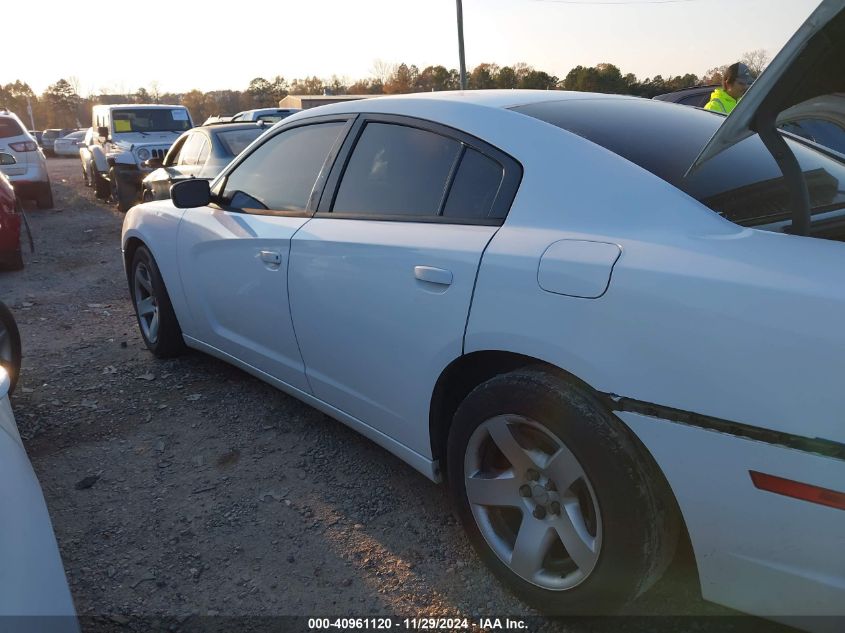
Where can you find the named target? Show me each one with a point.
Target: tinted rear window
(9, 128)
(235, 141)
(743, 183)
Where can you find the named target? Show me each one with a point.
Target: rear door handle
(271, 258)
(433, 275)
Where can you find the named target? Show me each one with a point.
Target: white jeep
(125, 138)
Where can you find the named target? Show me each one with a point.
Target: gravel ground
(187, 487)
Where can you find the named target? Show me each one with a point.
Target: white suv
(29, 174)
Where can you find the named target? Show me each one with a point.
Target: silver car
(29, 174)
(69, 145)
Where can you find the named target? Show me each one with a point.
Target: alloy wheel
(532, 502)
(146, 303)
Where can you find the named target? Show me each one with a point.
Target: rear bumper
(756, 551)
(36, 173)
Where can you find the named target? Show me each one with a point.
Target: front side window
(397, 170)
(281, 173)
(191, 150)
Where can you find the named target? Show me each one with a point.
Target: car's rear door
(233, 256)
(381, 279)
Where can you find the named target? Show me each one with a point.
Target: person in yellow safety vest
(734, 84)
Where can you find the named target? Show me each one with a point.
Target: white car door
(233, 255)
(381, 279)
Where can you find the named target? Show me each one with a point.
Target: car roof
(142, 106)
(487, 98)
(238, 125)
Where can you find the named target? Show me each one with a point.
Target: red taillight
(25, 146)
(797, 490)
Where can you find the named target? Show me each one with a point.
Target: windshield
(151, 120)
(744, 183)
(235, 141)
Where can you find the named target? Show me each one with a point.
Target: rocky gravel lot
(186, 487)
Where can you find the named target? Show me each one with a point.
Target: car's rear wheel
(44, 196)
(156, 318)
(10, 346)
(556, 495)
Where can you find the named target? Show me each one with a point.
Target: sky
(121, 45)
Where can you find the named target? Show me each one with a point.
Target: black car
(698, 96)
(201, 152)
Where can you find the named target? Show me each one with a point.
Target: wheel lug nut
(525, 490)
(539, 512)
(554, 507)
(551, 486)
(533, 475)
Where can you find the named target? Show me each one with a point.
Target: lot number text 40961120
(416, 624)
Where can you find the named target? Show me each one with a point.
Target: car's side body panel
(757, 551)
(234, 267)
(374, 326)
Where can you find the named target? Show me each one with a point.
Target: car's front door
(233, 256)
(381, 279)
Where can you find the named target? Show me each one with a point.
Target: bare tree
(756, 60)
(155, 91)
(382, 71)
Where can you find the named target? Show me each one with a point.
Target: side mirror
(190, 194)
(153, 163)
(103, 132)
(7, 159)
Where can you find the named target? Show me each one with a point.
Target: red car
(10, 227)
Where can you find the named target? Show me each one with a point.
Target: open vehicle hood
(810, 65)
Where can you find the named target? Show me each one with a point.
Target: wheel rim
(145, 303)
(533, 502)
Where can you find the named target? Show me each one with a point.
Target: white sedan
(523, 294)
(34, 593)
(69, 145)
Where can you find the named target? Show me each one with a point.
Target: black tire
(167, 341)
(101, 186)
(85, 176)
(622, 492)
(146, 195)
(122, 195)
(44, 196)
(10, 346)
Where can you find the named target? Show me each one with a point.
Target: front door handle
(433, 275)
(271, 258)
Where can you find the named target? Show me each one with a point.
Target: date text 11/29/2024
(417, 624)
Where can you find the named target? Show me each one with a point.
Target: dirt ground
(186, 487)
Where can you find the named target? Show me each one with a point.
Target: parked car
(10, 221)
(524, 291)
(36, 134)
(48, 138)
(200, 153)
(29, 172)
(34, 593)
(697, 96)
(270, 115)
(125, 137)
(69, 145)
(822, 121)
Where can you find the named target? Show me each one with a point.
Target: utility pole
(461, 45)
